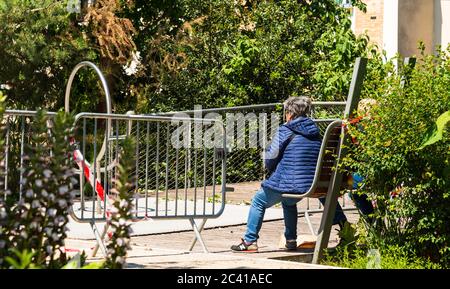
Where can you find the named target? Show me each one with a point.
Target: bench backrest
(326, 162)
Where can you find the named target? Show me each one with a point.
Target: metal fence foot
(310, 225)
(99, 238)
(198, 236)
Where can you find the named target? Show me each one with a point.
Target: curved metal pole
(108, 101)
(102, 79)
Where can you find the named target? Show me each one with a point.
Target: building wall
(390, 28)
(398, 25)
(371, 21)
(442, 22)
(415, 23)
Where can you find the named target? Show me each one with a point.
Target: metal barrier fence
(170, 172)
(17, 134)
(244, 161)
(174, 178)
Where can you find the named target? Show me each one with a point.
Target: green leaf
(74, 263)
(25, 259)
(93, 265)
(435, 133)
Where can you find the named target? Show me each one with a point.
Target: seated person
(291, 158)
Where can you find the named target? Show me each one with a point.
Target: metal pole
(336, 177)
(22, 140)
(107, 95)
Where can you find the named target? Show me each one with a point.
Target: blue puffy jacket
(292, 156)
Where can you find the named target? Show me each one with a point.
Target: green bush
(33, 223)
(409, 186)
(122, 208)
(34, 220)
(390, 257)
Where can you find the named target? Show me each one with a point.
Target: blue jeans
(339, 216)
(361, 202)
(266, 198)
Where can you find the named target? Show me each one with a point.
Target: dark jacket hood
(304, 126)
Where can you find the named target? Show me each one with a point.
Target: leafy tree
(243, 52)
(41, 41)
(216, 53)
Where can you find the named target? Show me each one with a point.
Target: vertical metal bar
(188, 168)
(105, 175)
(264, 144)
(359, 72)
(167, 169)
(6, 155)
(99, 239)
(147, 140)
(116, 158)
(137, 170)
(186, 151)
(195, 181)
(83, 166)
(22, 140)
(204, 179)
(94, 163)
(214, 181)
(177, 153)
(49, 133)
(157, 166)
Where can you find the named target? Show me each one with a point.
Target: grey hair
(297, 106)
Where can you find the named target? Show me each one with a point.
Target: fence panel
(179, 171)
(249, 131)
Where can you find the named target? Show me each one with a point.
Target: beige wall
(415, 23)
(442, 22)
